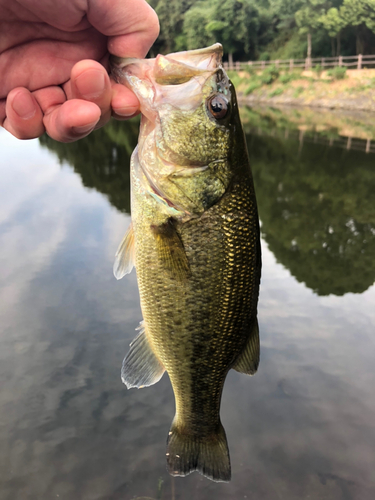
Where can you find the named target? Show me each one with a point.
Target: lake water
(302, 428)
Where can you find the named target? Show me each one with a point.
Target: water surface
(302, 427)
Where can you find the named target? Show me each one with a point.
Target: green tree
(333, 22)
(308, 19)
(239, 25)
(234, 23)
(361, 14)
(194, 26)
(171, 15)
(284, 11)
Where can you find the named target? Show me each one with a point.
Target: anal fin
(248, 360)
(125, 255)
(141, 367)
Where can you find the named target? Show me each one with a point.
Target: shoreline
(336, 123)
(360, 103)
(355, 92)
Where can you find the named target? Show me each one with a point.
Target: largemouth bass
(194, 240)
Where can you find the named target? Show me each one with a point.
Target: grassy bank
(338, 88)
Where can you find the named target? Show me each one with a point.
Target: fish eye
(218, 106)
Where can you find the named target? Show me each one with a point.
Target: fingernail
(85, 129)
(24, 105)
(126, 112)
(91, 84)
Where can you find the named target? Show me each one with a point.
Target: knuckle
(153, 24)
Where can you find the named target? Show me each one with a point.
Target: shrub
(337, 73)
(250, 70)
(253, 86)
(275, 92)
(318, 69)
(287, 77)
(264, 56)
(269, 75)
(234, 77)
(266, 79)
(298, 91)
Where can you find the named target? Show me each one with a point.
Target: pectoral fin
(248, 360)
(141, 367)
(170, 249)
(125, 255)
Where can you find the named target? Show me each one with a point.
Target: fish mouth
(163, 84)
(168, 79)
(205, 59)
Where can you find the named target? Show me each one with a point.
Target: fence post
(238, 65)
(307, 63)
(323, 62)
(368, 145)
(291, 64)
(359, 64)
(340, 61)
(349, 143)
(263, 64)
(277, 63)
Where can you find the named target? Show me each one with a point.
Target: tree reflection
(102, 159)
(316, 206)
(317, 212)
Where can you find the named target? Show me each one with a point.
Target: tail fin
(208, 455)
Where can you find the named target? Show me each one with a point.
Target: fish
(195, 243)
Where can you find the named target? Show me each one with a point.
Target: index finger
(132, 26)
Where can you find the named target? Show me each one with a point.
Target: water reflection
(317, 211)
(304, 426)
(102, 159)
(317, 123)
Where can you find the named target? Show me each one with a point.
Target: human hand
(53, 62)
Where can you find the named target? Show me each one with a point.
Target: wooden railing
(353, 62)
(348, 143)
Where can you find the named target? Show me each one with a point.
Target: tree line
(268, 29)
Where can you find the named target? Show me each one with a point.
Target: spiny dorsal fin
(248, 360)
(141, 367)
(125, 255)
(171, 250)
(209, 455)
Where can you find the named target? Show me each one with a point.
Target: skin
(54, 61)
